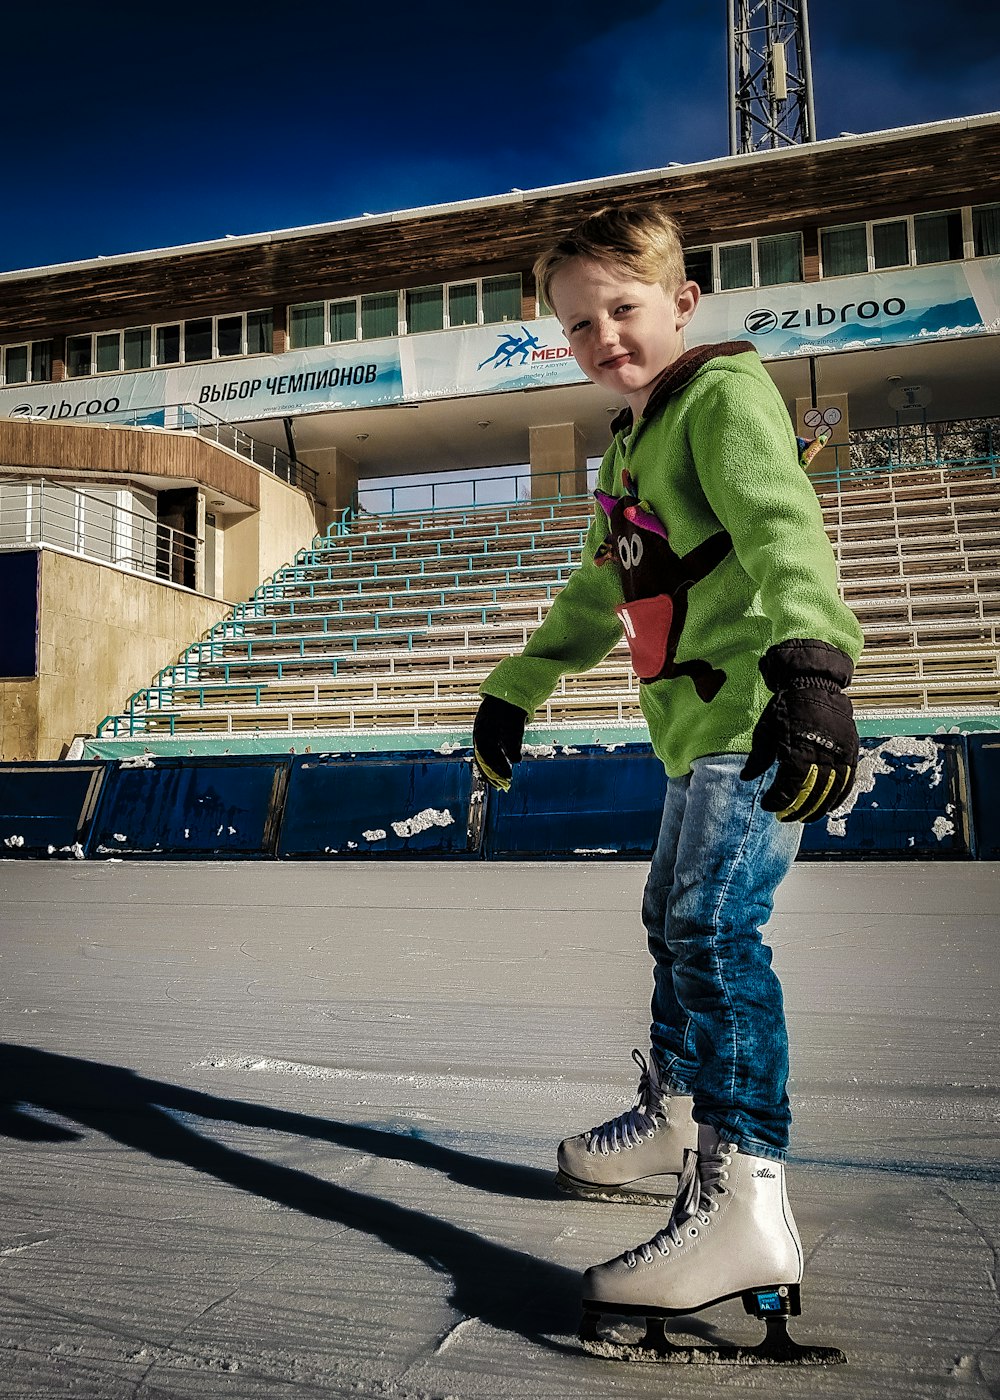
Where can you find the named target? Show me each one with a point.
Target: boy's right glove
(497, 735)
(807, 728)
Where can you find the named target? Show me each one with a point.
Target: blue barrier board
(910, 800)
(984, 780)
(574, 805)
(388, 804)
(191, 807)
(20, 575)
(46, 808)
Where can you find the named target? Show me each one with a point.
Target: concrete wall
(18, 720)
(255, 546)
(104, 633)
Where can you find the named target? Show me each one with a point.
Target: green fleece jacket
(707, 547)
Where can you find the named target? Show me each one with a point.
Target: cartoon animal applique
(655, 583)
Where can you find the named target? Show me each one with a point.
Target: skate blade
(776, 1349)
(631, 1194)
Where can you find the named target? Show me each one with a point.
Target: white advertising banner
(806, 318)
(237, 391)
(856, 313)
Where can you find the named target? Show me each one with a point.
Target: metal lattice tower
(770, 75)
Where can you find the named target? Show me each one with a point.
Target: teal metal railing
(456, 493)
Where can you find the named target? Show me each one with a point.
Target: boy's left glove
(807, 728)
(497, 735)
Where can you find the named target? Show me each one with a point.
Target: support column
(558, 461)
(337, 478)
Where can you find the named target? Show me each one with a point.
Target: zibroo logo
(763, 319)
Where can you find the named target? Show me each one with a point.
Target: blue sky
(127, 129)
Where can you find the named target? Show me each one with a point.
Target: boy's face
(623, 333)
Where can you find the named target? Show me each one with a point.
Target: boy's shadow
(504, 1287)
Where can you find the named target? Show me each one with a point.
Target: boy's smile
(624, 333)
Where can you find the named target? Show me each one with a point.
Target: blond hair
(644, 241)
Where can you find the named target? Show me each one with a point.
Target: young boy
(707, 548)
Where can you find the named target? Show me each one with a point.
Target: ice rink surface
(289, 1130)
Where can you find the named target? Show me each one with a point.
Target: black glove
(496, 740)
(807, 728)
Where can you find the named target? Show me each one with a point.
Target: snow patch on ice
(13, 842)
(942, 828)
(451, 748)
(423, 821)
(376, 834)
(539, 1086)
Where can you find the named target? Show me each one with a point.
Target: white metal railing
(96, 526)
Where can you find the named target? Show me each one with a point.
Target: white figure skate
(731, 1234)
(624, 1159)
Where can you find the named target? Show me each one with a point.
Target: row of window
(142, 347)
(845, 249)
(484, 301)
(947, 235)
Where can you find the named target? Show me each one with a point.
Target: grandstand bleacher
(393, 622)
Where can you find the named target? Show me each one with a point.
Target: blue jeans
(718, 1028)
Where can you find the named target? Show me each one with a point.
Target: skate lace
(701, 1182)
(636, 1125)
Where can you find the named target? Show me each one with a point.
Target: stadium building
(178, 426)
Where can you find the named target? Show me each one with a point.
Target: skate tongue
(708, 1140)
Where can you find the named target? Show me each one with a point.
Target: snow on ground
(288, 1130)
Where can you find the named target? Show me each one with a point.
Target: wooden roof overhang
(797, 188)
(102, 452)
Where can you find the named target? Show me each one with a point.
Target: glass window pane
(198, 340)
(41, 360)
(698, 266)
(463, 305)
(735, 266)
(305, 325)
(15, 365)
(501, 299)
(229, 335)
(844, 250)
(379, 315)
(424, 309)
(260, 332)
(938, 237)
(779, 259)
(78, 348)
(168, 345)
(891, 244)
(986, 230)
(344, 320)
(137, 347)
(109, 352)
